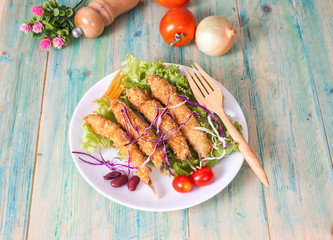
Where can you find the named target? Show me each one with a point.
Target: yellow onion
(215, 35)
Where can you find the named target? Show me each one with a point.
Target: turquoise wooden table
(280, 70)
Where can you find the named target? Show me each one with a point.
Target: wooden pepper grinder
(90, 21)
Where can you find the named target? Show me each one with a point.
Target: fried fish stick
(147, 106)
(161, 89)
(113, 131)
(146, 147)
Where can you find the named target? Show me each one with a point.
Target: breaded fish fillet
(161, 89)
(147, 148)
(113, 131)
(147, 106)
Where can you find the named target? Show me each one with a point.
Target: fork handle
(244, 148)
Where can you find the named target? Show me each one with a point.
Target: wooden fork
(210, 95)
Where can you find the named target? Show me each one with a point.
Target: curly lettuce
(136, 72)
(91, 140)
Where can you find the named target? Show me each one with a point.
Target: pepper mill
(90, 21)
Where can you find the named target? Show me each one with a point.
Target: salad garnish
(135, 73)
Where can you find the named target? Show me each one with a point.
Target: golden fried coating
(113, 131)
(146, 147)
(161, 89)
(147, 106)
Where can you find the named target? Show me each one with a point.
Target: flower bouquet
(52, 24)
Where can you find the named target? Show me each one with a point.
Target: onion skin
(215, 35)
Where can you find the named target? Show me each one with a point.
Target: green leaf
(72, 25)
(53, 4)
(47, 12)
(47, 18)
(46, 5)
(62, 13)
(91, 140)
(104, 109)
(59, 32)
(61, 20)
(65, 31)
(56, 12)
(48, 26)
(69, 12)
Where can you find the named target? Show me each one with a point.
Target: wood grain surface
(280, 70)
(22, 73)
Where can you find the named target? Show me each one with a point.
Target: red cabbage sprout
(209, 112)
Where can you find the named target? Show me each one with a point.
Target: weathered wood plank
(271, 71)
(293, 147)
(317, 17)
(238, 212)
(63, 202)
(213, 219)
(22, 70)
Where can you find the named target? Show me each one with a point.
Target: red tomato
(182, 184)
(202, 176)
(172, 3)
(178, 21)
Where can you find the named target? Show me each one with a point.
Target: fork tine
(193, 84)
(203, 82)
(203, 72)
(197, 82)
(208, 78)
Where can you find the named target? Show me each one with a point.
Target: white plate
(143, 198)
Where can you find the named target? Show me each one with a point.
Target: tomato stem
(178, 37)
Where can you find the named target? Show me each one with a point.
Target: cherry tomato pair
(200, 177)
(172, 3)
(178, 26)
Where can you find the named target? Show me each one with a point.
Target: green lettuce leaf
(91, 140)
(104, 109)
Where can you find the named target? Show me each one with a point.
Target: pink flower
(37, 10)
(37, 27)
(45, 44)
(25, 28)
(58, 42)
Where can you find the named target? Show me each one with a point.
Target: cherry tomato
(178, 21)
(172, 3)
(182, 184)
(202, 176)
